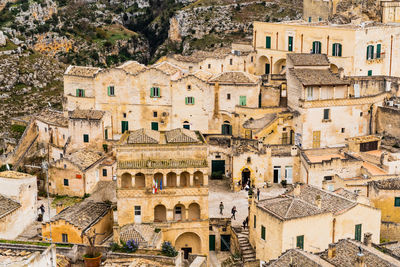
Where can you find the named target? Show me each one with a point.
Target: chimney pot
(331, 250)
(318, 201)
(296, 190)
(368, 239)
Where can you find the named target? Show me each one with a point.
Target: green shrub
(168, 250)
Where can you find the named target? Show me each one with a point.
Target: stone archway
(126, 181)
(245, 176)
(160, 213)
(198, 178)
(334, 68)
(171, 179)
(189, 242)
(194, 212)
(280, 66)
(263, 66)
(140, 180)
(185, 179)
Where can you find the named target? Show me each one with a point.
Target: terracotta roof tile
(181, 135)
(86, 114)
(303, 59)
(82, 71)
(84, 158)
(387, 184)
(54, 117)
(132, 67)
(234, 77)
(144, 136)
(297, 257)
(7, 206)
(310, 77)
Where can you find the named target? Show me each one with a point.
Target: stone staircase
(247, 251)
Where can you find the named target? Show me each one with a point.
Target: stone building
(78, 172)
(175, 163)
(283, 221)
(18, 197)
(345, 45)
(14, 254)
(75, 223)
(344, 253)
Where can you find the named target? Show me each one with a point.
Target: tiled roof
(144, 136)
(15, 175)
(82, 71)
(199, 56)
(346, 193)
(259, 123)
(167, 68)
(346, 255)
(299, 258)
(203, 75)
(84, 158)
(310, 77)
(234, 77)
(132, 67)
(83, 214)
(387, 184)
(181, 135)
(53, 117)
(86, 114)
(7, 206)
(288, 206)
(303, 59)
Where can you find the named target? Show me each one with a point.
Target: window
(326, 114)
(361, 114)
(226, 128)
(290, 43)
(337, 50)
(189, 100)
(268, 42)
(300, 242)
(154, 126)
(209, 66)
(251, 59)
(186, 125)
(397, 201)
(370, 52)
(111, 90)
(124, 126)
(124, 114)
(45, 129)
(255, 221)
(328, 178)
(370, 73)
(342, 130)
(80, 93)
(61, 155)
(86, 138)
(289, 174)
(65, 166)
(242, 100)
(64, 238)
(138, 211)
(316, 47)
(155, 114)
(357, 235)
(378, 50)
(104, 172)
(249, 160)
(319, 19)
(189, 87)
(309, 93)
(228, 96)
(262, 232)
(66, 182)
(106, 134)
(230, 61)
(309, 19)
(154, 92)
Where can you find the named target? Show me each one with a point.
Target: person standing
(233, 212)
(221, 208)
(258, 193)
(42, 209)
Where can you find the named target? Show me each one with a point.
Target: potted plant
(92, 257)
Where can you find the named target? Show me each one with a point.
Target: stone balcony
(171, 191)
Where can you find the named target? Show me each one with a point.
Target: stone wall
(390, 231)
(388, 121)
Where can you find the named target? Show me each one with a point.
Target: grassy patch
(4, 241)
(66, 201)
(113, 33)
(9, 46)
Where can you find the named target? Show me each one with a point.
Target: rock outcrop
(3, 40)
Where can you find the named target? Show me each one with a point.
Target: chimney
(331, 250)
(296, 190)
(368, 239)
(360, 262)
(318, 201)
(341, 73)
(293, 151)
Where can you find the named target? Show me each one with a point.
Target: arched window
(370, 52)
(316, 47)
(171, 179)
(160, 213)
(226, 128)
(194, 211)
(126, 180)
(198, 178)
(179, 212)
(140, 180)
(185, 179)
(337, 50)
(186, 125)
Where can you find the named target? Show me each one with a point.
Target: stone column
(205, 179)
(164, 181)
(133, 180)
(186, 211)
(170, 214)
(178, 180)
(191, 179)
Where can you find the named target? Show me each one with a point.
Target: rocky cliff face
(364, 10)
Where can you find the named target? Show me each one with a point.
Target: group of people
(233, 211)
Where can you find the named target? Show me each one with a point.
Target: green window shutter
(242, 100)
(268, 42)
(124, 126)
(77, 92)
(370, 73)
(357, 235)
(192, 100)
(83, 93)
(333, 49)
(290, 47)
(340, 50)
(262, 232)
(309, 19)
(154, 126)
(300, 241)
(152, 92)
(108, 91)
(313, 47)
(397, 201)
(186, 100)
(86, 138)
(378, 50)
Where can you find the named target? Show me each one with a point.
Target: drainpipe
(371, 109)
(301, 50)
(391, 51)
(333, 230)
(327, 46)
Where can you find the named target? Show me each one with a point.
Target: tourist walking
(221, 208)
(233, 212)
(258, 193)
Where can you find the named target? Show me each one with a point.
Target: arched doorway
(126, 181)
(188, 242)
(198, 178)
(140, 180)
(279, 66)
(160, 213)
(185, 179)
(179, 212)
(194, 212)
(226, 128)
(171, 179)
(334, 68)
(263, 66)
(246, 177)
